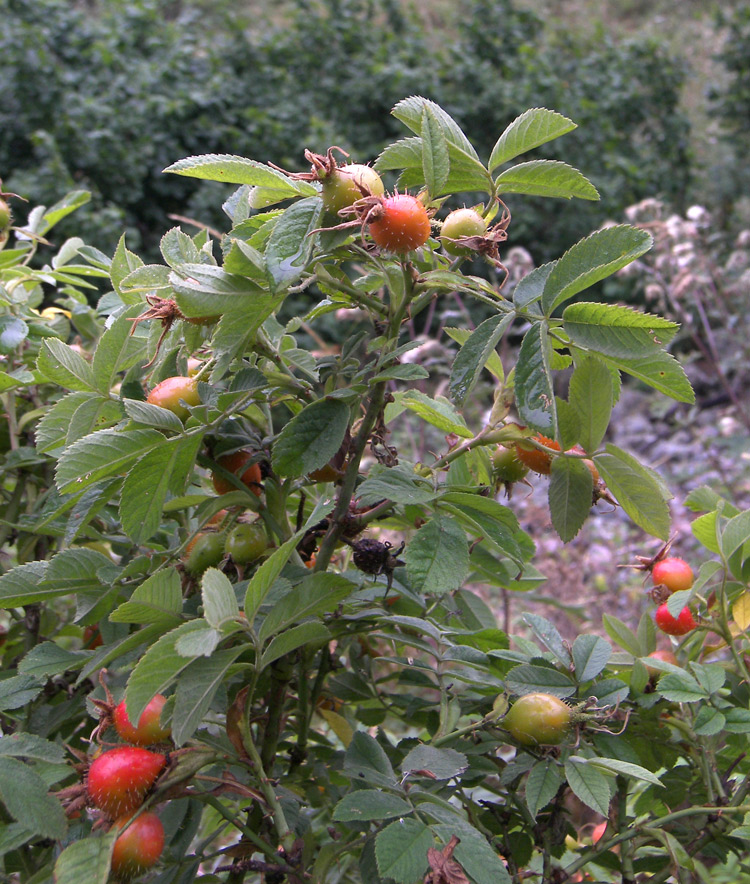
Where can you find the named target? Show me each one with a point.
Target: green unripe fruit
(204, 551)
(345, 185)
(506, 466)
(538, 720)
(6, 216)
(461, 222)
(246, 542)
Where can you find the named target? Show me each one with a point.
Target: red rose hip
(119, 779)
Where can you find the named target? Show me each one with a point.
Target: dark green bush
(103, 96)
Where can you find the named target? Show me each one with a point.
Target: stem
(224, 812)
(328, 544)
(286, 837)
(626, 850)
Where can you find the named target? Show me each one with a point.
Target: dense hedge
(103, 96)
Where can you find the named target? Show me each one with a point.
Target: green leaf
(623, 768)
(549, 635)
(435, 160)
(52, 429)
(204, 290)
(61, 209)
(398, 484)
(147, 279)
(265, 576)
(623, 635)
(589, 784)
(681, 688)
(20, 585)
(615, 331)
(529, 679)
(48, 659)
(291, 243)
(92, 415)
(24, 794)
(549, 178)
(591, 396)
(530, 288)
(365, 761)
(311, 438)
(196, 689)
(123, 263)
(152, 416)
(158, 668)
(178, 248)
(26, 745)
(592, 259)
(473, 355)
(157, 600)
(237, 170)
(117, 350)
(401, 850)
(147, 484)
(86, 860)
(590, 655)
(480, 862)
(370, 804)
(219, 600)
(437, 557)
(102, 454)
(438, 411)
(403, 154)
(736, 534)
(638, 490)
(293, 638)
(442, 764)
(61, 364)
(493, 363)
(535, 395)
(316, 595)
(466, 171)
(542, 784)
(17, 691)
(410, 112)
(13, 331)
(534, 127)
(570, 496)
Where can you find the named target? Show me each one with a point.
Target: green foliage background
(103, 96)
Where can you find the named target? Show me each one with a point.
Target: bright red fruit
(680, 625)
(673, 573)
(149, 729)
(401, 224)
(139, 846)
(119, 779)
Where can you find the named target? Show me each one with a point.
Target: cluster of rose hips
(119, 780)
(669, 574)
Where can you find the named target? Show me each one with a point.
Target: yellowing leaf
(741, 611)
(339, 725)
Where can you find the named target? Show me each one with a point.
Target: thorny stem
(626, 850)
